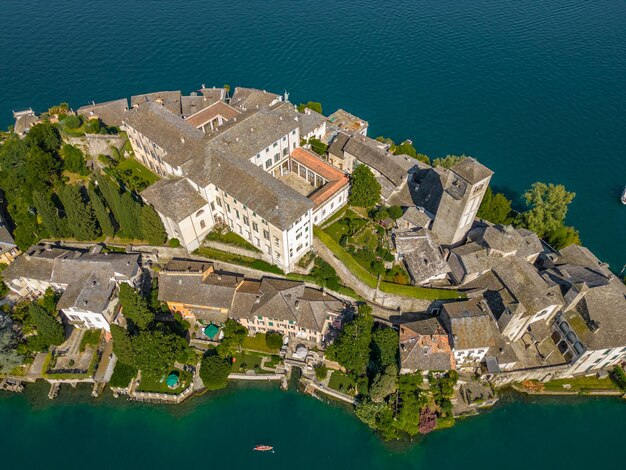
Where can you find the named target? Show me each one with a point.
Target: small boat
(260, 448)
(624, 196)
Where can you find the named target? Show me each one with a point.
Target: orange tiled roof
(336, 178)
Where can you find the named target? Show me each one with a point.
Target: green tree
(563, 236)
(122, 345)
(74, 160)
(318, 146)
(547, 208)
(312, 105)
(448, 161)
(214, 371)
(155, 352)
(49, 330)
(135, 307)
(40, 169)
(130, 216)
(325, 275)
(49, 301)
(234, 334)
(71, 122)
(384, 347)
(395, 212)
(81, 219)
(351, 349)
(384, 384)
(151, 226)
(369, 412)
(49, 215)
(495, 208)
(9, 357)
(321, 371)
(102, 213)
(44, 136)
(274, 340)
(365, 189)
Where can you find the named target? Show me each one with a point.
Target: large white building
(248, 173)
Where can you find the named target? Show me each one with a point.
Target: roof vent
(182, 140)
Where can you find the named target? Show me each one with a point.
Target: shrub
(214, 371)
(321, 371)
(174, 243)
(72, 122)
(122, 375)
(273, 340)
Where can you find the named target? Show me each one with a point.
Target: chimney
(182, 140)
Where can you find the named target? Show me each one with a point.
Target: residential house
(287, 307)
(312, 125)
(86, 279)
(24, 120)
(472, 330)
(197, 291)
(170, 100)
(424, 347)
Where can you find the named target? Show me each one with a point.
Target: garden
(159, 384)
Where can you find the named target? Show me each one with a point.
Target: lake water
(534, 89)
(219, 431)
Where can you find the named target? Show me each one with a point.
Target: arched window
(202, 224)
(200, 212)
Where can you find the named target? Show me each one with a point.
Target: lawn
(90, 338)
(231, 238)
(158, 384)
(138, 170)
(253, 263)
(341, 382)
(367, 278)
(257, 343)
(580, 384)
(251, 361)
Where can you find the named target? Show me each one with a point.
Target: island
(160, 248)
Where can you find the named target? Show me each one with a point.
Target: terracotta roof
(336, 178)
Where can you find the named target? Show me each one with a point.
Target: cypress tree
(81, 219)
(151, 226)
(130, 216)
(111, 195)
(102, 214)
(49, 214)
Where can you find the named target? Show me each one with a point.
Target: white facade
(326, 210)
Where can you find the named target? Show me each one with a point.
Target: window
(212, 206)
(275, 144)
(276, 241)
(202, 224)
(299, 248)
(199, 213)
(237, 214)
(219, 201)
(259, 317)
(293, 132)
(277, 158)
(268, 249)
(284, 138)
(285, 152)
(235, 200)
(268, 163)
(227, 208)
(266, 234)
(255, 227)
(257, 241)
(245, 220)
(298, 235)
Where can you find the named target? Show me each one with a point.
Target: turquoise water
(220, 431)
(534, 89)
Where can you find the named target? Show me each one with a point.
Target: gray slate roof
(310, 120)
(166, 129)
(110, 112)
(250, 98)
(471, 170)
(168, 99)
(216, 289)
(174, 198)
(417, 217)
(420, 254)
(471, 324)
(424, 346)
(369, 152)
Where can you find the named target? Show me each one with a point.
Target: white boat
(624, 196)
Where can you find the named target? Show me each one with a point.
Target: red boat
(263, 448)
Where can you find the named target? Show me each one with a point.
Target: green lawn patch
(247, 261)
(90, 338)
(580, 384)
(366, 277)
(344, 290)
(158, 384)
(231, 238)
(342, 382)
(250, 360)
(257, 343)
